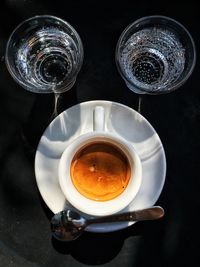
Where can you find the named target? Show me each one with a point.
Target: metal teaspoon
(68, 225)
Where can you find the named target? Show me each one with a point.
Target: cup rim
(92, 207)
(173, 87)
(10, 69)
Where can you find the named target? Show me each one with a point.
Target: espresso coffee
(100, 171)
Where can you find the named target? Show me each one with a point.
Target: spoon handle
(153, 213)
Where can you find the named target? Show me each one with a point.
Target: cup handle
(98, 119)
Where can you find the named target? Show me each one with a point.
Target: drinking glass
(155, 55)
(44, 54)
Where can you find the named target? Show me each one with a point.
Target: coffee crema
(100, 171)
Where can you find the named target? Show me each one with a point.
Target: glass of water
(44, 54)
(155, 55)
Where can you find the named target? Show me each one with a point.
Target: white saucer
(120, 119)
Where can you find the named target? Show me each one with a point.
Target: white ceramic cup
(80, 202)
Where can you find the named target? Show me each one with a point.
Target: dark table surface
(25, 238)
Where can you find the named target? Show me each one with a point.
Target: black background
(25, 238)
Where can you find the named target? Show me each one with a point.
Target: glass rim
(63, 87)
(169, 19)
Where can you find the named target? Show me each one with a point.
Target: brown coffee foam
(100, 171)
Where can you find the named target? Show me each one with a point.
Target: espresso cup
(100, 173)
